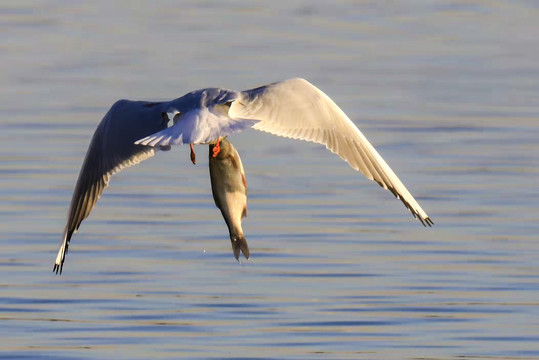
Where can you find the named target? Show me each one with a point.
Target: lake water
(447, 91)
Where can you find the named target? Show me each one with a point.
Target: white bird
(133, 131)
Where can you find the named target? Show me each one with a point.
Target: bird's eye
(166, 120)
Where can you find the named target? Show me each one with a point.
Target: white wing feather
(297, 109)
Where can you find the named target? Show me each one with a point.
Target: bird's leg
(193, 155)
(216, 148)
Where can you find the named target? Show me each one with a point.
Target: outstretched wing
(112, 148)
(296, 109)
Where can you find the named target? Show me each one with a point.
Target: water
(447, 91)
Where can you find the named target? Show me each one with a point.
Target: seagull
(133, 131)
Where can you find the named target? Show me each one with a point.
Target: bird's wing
(296, 109)
(112, 148)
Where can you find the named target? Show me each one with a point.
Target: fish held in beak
(229, 190)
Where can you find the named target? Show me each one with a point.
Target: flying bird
(133, 131)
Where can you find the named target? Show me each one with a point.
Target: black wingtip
(425, 221)
(57, 269)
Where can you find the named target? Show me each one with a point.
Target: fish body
(229, 190)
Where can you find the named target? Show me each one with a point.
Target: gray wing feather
(112, 148)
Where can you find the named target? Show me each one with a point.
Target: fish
(229, 189)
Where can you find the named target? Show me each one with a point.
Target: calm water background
(446, 90)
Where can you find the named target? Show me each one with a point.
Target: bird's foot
(193, 155)
(216, 148)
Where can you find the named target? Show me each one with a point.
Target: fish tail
(239, 243)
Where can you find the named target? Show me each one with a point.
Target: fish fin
(239, 243)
